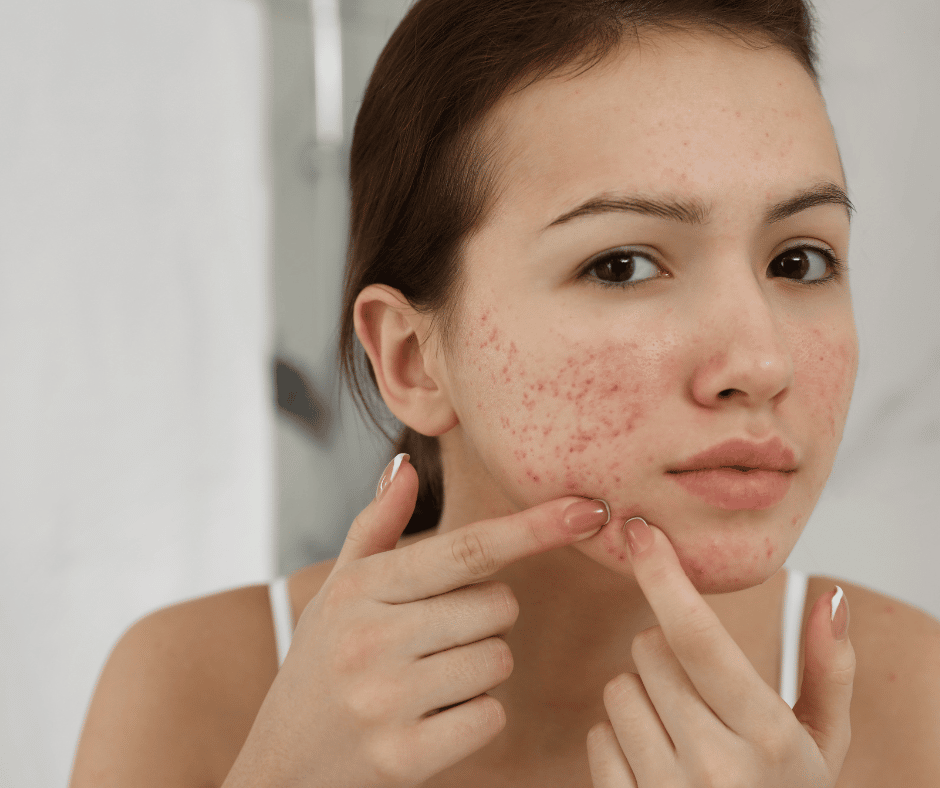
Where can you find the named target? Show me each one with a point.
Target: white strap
(794, 601)
(282, 615)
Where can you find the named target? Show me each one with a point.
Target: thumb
(828, 676)
(379, 526)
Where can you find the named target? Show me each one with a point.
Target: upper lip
(744, 455)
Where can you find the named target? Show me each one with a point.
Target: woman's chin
(715, 563)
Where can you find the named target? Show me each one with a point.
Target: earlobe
(410, 380)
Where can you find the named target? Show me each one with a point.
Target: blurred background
(172, 230)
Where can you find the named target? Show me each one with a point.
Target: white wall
(135, 416)
(877, 521)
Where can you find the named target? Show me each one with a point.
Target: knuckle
(492, 715)
(340, 588)
(371, 702)
(392, 759)
(777, 749)
(620, 688)
(648, 642)
(712, 774)
(599, 735)
(503, 602)
(720, 770)
(843, 675)
(487, 719)
(500, 657)
(690, 633)
(473, 553)
(356, 649)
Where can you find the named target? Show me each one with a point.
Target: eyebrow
(695, 212)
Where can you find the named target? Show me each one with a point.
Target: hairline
(486, 159)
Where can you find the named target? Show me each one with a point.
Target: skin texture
(557, 385)
(561, 386)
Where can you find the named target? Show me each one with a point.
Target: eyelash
(837, 268)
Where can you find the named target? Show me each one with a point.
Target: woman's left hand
(699, 715)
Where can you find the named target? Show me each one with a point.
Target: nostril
(726, 393)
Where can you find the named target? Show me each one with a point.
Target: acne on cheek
(824, 373)
(575, 427)
(569, 416)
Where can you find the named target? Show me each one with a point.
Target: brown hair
(421, 174)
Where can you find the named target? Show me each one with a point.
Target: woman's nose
(744, 358)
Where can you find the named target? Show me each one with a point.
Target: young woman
(597, 266)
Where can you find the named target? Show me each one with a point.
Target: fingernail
(839, 614)
(639, 535)
(589, 516)
(388, 475)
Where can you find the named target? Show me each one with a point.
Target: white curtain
(135, 388)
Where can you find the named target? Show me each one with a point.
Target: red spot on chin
(892, 677)
(889, 609)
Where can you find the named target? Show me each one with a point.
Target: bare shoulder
(181, 689)
(896, 698)
(179, 693)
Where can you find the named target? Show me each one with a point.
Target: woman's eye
(805, 264)
(622, 267)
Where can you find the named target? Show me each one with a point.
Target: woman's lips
(728, 488)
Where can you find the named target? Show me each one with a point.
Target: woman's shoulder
(194, 671)
(896, 694)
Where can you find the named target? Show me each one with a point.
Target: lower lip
(726, 488)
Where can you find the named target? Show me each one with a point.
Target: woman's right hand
(385, 681)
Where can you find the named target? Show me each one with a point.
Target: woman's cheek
(561, 416)
(825, 364)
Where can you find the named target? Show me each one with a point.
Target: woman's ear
(409, 374)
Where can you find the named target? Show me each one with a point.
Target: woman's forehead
(697, 116)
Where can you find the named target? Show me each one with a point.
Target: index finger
(716, 665)
(474, 552)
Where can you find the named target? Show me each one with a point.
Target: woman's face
(654, 281)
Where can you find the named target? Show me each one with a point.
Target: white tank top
(794, 599)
